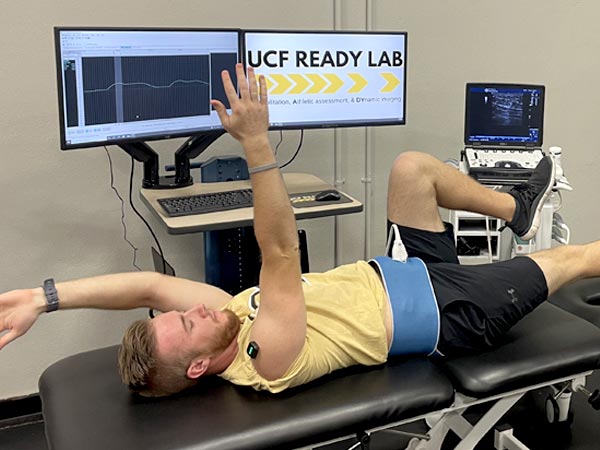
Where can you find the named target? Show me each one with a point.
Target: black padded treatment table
(581, 298)
(85, 406)
(85, 391)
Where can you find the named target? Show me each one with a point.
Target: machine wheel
(555, 427)
(552, 410)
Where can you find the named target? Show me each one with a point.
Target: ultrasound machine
(503, 135)
(503, 131)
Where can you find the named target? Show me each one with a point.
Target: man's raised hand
(249, 118)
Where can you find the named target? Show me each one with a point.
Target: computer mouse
(330, 195)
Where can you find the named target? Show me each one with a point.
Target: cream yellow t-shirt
(345, 326)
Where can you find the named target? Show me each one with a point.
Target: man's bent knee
(412, 197)
(409, 165)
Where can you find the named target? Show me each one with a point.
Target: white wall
(62, 219)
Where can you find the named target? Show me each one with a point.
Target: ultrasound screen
(504, 114)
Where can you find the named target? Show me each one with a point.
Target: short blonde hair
(142, 371)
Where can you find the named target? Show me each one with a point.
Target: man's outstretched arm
(280, 326)
(19, 309)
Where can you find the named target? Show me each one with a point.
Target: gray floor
(527, 419)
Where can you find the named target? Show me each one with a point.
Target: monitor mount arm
(190, 149)
(142, 152)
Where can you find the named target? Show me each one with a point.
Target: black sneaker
(530, 198)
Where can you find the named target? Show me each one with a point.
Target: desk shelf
(296, 183)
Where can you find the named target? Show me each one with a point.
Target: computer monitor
(504, 114)
(320, 79)
(128, 85)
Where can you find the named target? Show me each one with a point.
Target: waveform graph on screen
(140, 88)
(99, 90)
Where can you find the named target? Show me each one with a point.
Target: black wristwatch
(51, 295)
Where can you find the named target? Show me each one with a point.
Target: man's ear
(197, 367)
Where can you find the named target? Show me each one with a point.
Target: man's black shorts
(478, 303)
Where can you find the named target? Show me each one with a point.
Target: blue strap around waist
(414, 307)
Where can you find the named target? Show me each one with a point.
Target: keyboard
(501, 166)
(206, 203)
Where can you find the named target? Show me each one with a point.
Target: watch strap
(51, 295)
